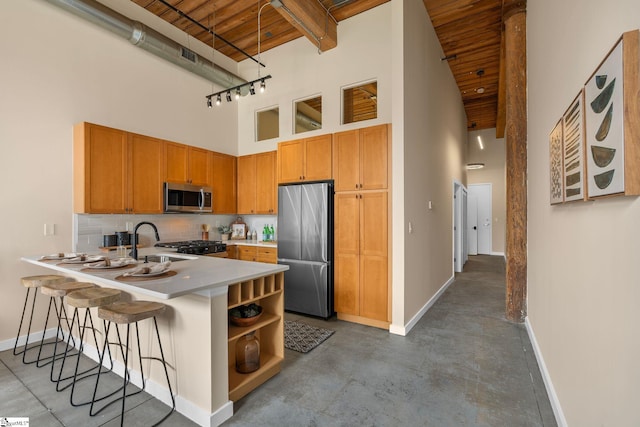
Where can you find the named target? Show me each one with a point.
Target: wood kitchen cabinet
(257, 253)
(187, 164)
(116, 171)
(361, 159)
(306, 159)
(361, 284)
(257, 187)
(223, 182)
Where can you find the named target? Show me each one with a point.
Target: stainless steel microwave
(187, 198)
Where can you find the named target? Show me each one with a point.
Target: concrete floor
(463, 364)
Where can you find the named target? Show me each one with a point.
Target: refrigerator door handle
(286, 260)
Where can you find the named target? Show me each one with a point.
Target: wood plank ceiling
(469, 32)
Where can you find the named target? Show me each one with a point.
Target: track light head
(238, 93)
(228, 96)
(262, 86)
(218, 99)
(208, 102)
(252, 89)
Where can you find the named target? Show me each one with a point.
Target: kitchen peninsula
(195, 333)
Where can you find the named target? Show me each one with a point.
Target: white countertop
(197, 274)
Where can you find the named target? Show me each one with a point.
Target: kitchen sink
(165, 258)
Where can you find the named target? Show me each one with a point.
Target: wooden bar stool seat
(128, 313)
(33, 283)
(86, 298)
(58, 291)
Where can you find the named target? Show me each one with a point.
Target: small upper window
(267, 124)
(308, 115)
(360, 102)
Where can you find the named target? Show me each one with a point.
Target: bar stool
(127, 313)
(87, 299)
(34, 282)
(57, 291)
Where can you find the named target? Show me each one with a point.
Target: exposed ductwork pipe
(150, 40)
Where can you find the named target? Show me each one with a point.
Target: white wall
(582, 257)
(494, 158)
(58, 70)
(299, 72)
(435, 135)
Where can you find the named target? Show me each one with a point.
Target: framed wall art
(612, 118)
(238, 230)
(556, 175)
(573, 150)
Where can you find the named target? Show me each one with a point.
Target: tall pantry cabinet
(361, 245)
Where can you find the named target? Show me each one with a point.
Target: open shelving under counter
(267, 292)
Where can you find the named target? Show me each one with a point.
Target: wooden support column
(516, 141)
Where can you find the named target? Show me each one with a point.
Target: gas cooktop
(195, 247)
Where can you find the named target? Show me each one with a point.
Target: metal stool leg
(111, 312)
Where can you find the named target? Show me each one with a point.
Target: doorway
(460, 245)
(479, 215)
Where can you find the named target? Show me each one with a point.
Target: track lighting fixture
(237, 90)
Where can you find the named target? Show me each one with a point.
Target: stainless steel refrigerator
(305, 244)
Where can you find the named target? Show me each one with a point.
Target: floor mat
(301, 337)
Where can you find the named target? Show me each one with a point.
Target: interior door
(472, 222)
(465, 231)
(458, 228)
(482, 193)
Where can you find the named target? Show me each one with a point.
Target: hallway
(463, 364)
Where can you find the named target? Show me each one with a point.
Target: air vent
(187, 54)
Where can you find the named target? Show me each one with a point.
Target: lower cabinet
(257, 253)
(361, 284)
(267, 293)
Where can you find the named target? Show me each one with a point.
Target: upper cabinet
(306, 159)
(361, 159)
(116, 171)
(146, 174)
(257, 187)
(266, 185)
(223, 183)
(187, 164)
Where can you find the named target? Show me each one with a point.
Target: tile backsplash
(89, 229)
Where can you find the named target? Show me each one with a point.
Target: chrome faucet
(134, 238)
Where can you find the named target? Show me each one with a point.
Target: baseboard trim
(404, 330)
(34, 338)
(498, 254)
(546, 377)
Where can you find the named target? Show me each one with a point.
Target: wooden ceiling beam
(312, 20)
